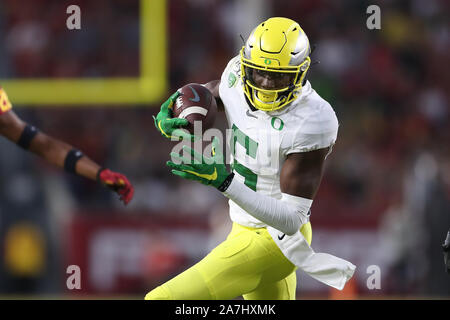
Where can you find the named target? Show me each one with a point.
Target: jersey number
(250, 146)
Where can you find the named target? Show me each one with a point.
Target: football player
(264, 92)
(59, 153)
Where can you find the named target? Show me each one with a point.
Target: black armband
(28, 134)
(97, 177)
(71, 160)
(224, 186)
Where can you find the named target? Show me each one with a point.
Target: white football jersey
(260, 141)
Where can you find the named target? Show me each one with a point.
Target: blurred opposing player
(59, 153)
(266, 96)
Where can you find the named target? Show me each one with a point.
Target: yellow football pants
(248, 263)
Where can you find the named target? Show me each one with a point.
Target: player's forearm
(213, 86)
(55, 152)
(286, 215)
(74, 161)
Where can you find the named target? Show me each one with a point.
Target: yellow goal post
(147, 88)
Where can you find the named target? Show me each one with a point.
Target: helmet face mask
(271, 80)
(274, 63)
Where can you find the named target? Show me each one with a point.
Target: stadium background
(384, 199)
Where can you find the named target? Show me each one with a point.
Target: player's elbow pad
(293, 229)
(298, 211)
(290, 232)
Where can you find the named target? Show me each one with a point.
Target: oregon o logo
(277, 125)
(267, 61)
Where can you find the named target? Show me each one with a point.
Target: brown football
(196, 103)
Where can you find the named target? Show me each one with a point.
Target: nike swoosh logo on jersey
(250, 115)
(211, 177)
(196, 96)
(281, 238)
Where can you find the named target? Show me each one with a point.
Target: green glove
(169, 126)
(209, 171)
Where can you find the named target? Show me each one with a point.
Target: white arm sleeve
(286, 215)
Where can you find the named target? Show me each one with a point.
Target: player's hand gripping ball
(196, 104)
(192, 102)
